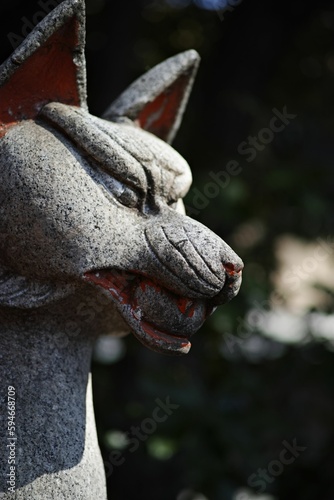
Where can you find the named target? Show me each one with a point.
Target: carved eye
(123, 193)
(126, 195)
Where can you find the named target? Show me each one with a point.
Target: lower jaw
(162, 342)
(147, 333)
(152, 337)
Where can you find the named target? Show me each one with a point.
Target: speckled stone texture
(93, 240)
(46, 358)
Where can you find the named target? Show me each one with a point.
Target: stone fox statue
(87, 201)
(93, 239)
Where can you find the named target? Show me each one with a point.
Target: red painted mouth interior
(232, 270)
(160, 319)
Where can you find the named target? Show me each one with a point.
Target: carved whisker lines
(205, 262)
(182, 247)
(164, 263)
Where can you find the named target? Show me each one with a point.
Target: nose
(197, 257)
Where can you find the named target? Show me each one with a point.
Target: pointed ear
(48, 66)
(157, 100)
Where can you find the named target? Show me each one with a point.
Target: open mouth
(160, 319)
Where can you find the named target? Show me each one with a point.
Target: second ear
(157, 100)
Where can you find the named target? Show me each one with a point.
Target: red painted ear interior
(159, 116)
(48, 75)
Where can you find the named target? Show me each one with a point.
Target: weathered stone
(93, 240)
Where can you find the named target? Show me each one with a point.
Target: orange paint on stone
(4, 128)
(182, 304)
(49, 75)
(162, 336)
(186, 306)
(158, 116)
(231, 270)
(147, 282)
(191, 311)
(121, 288)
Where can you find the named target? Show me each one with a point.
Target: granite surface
(93, 240)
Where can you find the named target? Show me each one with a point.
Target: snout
(193, 254)
(191, 271)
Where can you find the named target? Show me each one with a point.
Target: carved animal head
(97, 202)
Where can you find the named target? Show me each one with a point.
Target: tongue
(160, 319)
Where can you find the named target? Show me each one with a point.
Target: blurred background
(253, 414)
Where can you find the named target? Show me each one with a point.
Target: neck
(45, 358)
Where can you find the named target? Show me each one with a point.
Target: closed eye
(123, 193)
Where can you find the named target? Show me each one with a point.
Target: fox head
(87, 201)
